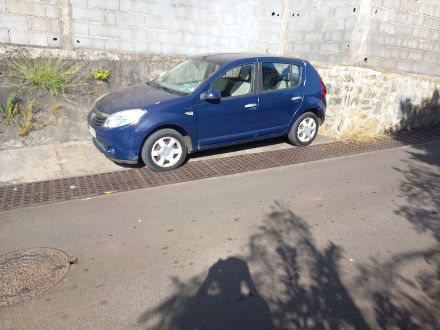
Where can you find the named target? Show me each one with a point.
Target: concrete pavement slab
(82, 158)
(29, 164)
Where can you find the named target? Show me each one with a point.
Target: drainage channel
(45, 192)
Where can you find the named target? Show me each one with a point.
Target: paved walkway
(82, 158)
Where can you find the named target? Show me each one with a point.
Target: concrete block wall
(404, 35)
(398, 35)
(30, 22)
(176, 26)
(323, 30)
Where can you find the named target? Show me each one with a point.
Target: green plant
(101, 74)
(27, 122)
(12, 108)
(54, 76)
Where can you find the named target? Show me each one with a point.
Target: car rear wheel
(164, 150)
(304, 130)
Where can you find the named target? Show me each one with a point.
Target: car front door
(234, 116)
(281, 95)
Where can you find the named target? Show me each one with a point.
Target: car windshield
(186, 76)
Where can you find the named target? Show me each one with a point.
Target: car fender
(309, 103)
(181, 120)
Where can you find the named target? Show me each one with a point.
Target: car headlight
(126, 117)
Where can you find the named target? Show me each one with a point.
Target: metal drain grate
(43, 192)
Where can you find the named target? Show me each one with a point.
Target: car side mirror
(212, 95)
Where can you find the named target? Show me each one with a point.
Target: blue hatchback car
(207, 102)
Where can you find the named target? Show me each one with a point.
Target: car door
(234, 116)
(280, 96)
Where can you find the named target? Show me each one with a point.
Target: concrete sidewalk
(70, 159)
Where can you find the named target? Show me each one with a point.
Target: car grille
(98, 118)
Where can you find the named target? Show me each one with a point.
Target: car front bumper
(103, 149)
(121, 144)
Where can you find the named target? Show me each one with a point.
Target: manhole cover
(28, 273)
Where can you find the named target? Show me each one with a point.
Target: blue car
(206, 102)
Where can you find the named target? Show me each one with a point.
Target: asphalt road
(352, 242)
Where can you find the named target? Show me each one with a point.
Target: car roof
(226, 58)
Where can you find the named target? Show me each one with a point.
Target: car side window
(296, 75)
(236, 81)
(280, 76)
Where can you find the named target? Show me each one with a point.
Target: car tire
(304, 130)
(164, 150)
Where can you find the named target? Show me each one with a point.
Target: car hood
(138, 96)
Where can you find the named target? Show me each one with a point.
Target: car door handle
(251, 106)
(296, 98)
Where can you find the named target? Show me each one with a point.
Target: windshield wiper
(159, 86)
(169, 90)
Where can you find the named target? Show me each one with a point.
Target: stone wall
(361, 101)
(364, 101)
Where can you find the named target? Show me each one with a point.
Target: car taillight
(324, 89)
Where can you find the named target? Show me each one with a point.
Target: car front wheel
(304, 130)
(164, 150)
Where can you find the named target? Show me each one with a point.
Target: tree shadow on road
(291, 282)
(302, 286)
(306, 285)
(405, 290)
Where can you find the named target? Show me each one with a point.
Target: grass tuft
(54, 76)
(12, 108)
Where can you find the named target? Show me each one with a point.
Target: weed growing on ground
(101, 74)
(54, 76)
(27, 119)
(12, 108)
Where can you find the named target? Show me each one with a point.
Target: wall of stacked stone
(365, 100)
(359, 99)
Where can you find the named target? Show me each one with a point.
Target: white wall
(400, 35)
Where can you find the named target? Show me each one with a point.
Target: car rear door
(281, 94)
